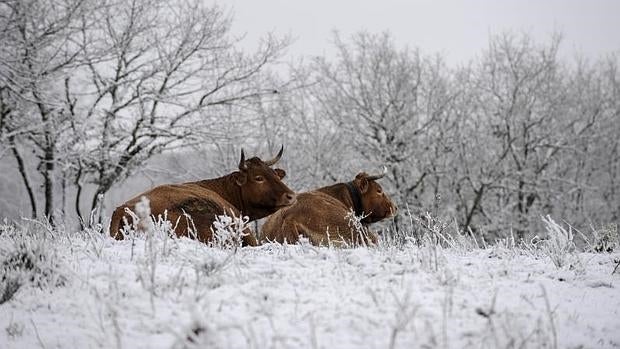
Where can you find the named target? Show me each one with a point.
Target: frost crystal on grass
(29, 259)
(228, 231)
(355, 222)
(143, 211)
(559, 246)
(361, 232)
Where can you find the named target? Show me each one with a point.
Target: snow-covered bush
(425, 229)
(606, 239)
(27, 257)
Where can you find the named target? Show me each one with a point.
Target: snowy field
(84, 290)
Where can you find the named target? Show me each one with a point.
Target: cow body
(255, 191)
(323, 215)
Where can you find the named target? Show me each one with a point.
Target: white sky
(459, 29)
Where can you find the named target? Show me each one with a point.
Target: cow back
(317, 216)
(190, 208)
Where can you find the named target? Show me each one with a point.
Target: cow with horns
(255, 190)
(324, 215)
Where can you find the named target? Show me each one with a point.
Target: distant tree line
(494, 145)
(92, 91)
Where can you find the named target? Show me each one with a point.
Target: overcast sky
(459, 29)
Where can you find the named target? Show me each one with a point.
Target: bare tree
(387, 102)
(317, 153)
(523, 97)
(610, 139)
(37, 51)
(159, 75)
(588, 189)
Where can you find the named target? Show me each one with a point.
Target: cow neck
(241, 204)
(226, 187)
(356, 197)
(343, 193)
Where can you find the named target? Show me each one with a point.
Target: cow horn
(242, 165)
(375, 177)
(274, 160)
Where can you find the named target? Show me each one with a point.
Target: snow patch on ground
(178, 293)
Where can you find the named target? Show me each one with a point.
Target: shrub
(559, 245)
(606, 239)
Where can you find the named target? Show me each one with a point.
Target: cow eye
(379, 191)
(259, 178)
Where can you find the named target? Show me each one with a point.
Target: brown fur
(256, 191)
(319, 215)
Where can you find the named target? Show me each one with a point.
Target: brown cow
(255, 191)
(323, 215)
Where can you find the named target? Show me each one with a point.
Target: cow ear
(279, 172)
(240, 177)
(362, 180)
(364, 185)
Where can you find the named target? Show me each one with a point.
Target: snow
(179, 293)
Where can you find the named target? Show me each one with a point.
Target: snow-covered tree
(37, 55)
(105, 85)
(388, 103)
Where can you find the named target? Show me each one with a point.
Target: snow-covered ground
(83, 290)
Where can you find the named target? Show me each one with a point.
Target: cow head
(261, 187)
(375, 202)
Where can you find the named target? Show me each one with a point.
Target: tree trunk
(78, 194)
(63, 205)
(22, 171)
(470, 214)
(522, 223)
(48, 182)
(96, 205)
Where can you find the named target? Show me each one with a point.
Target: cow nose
(291, 198)
(394, 210)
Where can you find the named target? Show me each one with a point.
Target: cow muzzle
(287, 199)
(393, 210)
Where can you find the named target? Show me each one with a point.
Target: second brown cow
(324, 215)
